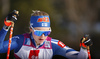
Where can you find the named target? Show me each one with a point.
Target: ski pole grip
(15, 16)
(16, 12)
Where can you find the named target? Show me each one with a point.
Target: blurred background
(70, 20)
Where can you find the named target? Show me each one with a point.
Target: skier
(37, 44)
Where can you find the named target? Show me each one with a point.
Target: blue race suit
(25, 48)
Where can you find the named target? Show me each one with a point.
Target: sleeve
(4, 44)
(60, 48)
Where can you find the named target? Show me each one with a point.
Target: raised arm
(60, 48)
(8, 22)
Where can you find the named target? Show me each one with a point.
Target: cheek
(46, 37)
(34, 36)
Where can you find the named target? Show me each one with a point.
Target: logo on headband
(44, 19)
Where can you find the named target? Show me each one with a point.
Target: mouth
(41, 39)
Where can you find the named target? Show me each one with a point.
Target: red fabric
(61, 44)
(33, 54)
(82, 44)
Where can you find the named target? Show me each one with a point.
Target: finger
(17, 12)
(12, 24)
(87, 47)
(83, 40)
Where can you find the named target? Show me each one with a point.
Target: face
(42, 38)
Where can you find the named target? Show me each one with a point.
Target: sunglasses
(39, 32)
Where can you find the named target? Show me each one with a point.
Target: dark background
(70, 20)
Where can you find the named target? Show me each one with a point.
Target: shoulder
(18, 38)
(26, 35)
(57, 43)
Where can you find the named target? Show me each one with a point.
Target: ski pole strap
(7, 23)
(10, 38)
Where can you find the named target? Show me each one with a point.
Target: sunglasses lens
(47, 33)
(39, 33)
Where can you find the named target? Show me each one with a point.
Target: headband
(40, 21)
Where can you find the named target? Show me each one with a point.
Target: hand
(86, 41)
(11, 18)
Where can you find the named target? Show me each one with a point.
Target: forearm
(2, 35)
(78, 55)
(4, 46)
(72, 54)
(8, 22)
(82, 54)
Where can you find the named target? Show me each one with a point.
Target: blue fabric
(57, 50)
(39, 33)
(4, 44)
(70, 50)
(40, 21)
(17, 42)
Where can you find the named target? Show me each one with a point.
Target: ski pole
(89, 53)
(88, 49)
(89, 56)
(10, 36)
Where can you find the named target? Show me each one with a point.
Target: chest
(27, 52)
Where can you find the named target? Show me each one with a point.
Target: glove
(12, 17)
(10, 20)
(86, 41)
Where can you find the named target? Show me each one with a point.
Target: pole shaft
(9, 45)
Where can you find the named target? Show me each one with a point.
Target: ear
(30, 29)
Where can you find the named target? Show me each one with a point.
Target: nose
(42, 35)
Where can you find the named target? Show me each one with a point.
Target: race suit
(25, 48)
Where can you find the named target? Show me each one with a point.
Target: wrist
(6, 27)
(83, 45)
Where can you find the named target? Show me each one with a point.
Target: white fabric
(23, 53)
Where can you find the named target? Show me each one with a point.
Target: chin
(41, 42)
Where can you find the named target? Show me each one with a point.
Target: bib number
(33, 54)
